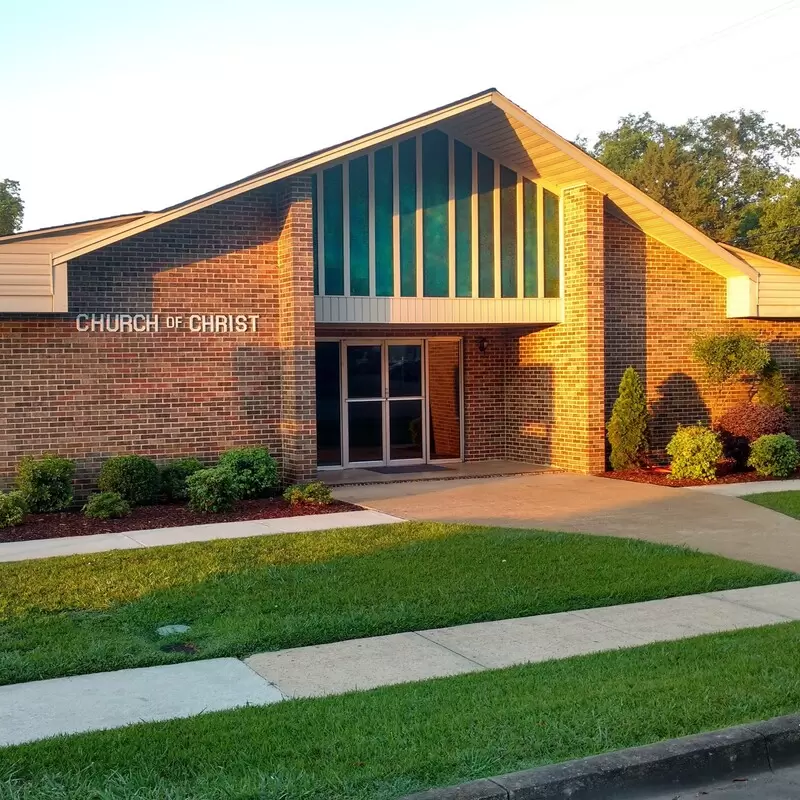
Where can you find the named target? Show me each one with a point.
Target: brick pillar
(583, 386)
(296, 330)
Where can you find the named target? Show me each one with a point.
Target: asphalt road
(780, 785)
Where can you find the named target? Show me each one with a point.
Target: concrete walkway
(30, 711)
(753, 487)
(702, 520)
(157, 537)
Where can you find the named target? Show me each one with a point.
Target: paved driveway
(714, 523)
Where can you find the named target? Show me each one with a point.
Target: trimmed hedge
(136, 478)
(107, 505)
(695, 451)
(12, 509)
(314, 492)
(46, 482)
(775, 455)
(254, 470)
(212, 490)
(174, 475)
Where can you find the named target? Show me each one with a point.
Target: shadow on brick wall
(678, 402)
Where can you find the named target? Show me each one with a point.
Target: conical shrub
(627, 428)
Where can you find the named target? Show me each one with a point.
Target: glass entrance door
(405, 403)
(384, 414)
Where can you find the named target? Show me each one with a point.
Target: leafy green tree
(11, 207)
(627, 428)
(727, 174)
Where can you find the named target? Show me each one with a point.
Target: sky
(117, 107)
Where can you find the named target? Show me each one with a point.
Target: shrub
(212, 490)
(134, 477)
(771, 389)
(695, 451)
(174, 475)
(12, 509)
(313, 492)
(627, 428)
(775, 455)
(747, 422)
(46, 482)
(107, 505)
(254, 470)
(731, 356)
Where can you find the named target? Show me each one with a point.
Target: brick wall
(657, 300)
(554, 391)
(175, 392)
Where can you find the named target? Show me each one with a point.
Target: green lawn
(63, 616)
(786, 502)
(384, 743)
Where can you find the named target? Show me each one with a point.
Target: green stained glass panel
(332, 184)
(315, 232)
(552, 279)
(462, 178)
(508, 232)
(485, 226)
(384, 211)
(358, 198)
(407, 185)
(530, 233)
(435, 218)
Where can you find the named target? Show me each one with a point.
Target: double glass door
(384, 402)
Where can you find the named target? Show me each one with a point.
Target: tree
(727, 174)
(627, 428)
(11, 207)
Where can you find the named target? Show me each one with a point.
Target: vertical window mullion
(321, 231)
(396, 219)
(346, 225)
(540, 239)
(475, 226)
(420, 264)
(496, 224)
(520, 237)
(371, 212)
(451, 218)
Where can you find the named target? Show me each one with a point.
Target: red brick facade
(175, 392)
(534, 394)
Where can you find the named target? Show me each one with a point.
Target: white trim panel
(438, 310)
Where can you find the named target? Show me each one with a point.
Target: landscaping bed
(166, 515)
(661, 478)
(97, 612)
(385, 743)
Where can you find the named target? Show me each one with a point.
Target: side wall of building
(174, 392)
(656, 302)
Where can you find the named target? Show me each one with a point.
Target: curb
(672, 764)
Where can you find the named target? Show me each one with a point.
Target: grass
(786, 502)
(80, 614)
(387, 742)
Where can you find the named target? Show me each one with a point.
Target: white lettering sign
(153, 323)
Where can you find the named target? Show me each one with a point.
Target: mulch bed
(73, 523)
(664, 479)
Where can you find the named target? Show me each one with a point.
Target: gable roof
(493, 124)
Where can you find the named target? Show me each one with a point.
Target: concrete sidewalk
(30, 711)
(130, 540)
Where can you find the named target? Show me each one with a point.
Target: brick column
(582, 388)
(296, 330)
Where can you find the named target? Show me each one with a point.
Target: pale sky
(114, 107)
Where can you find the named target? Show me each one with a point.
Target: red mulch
(664, 479)
(73, 523)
